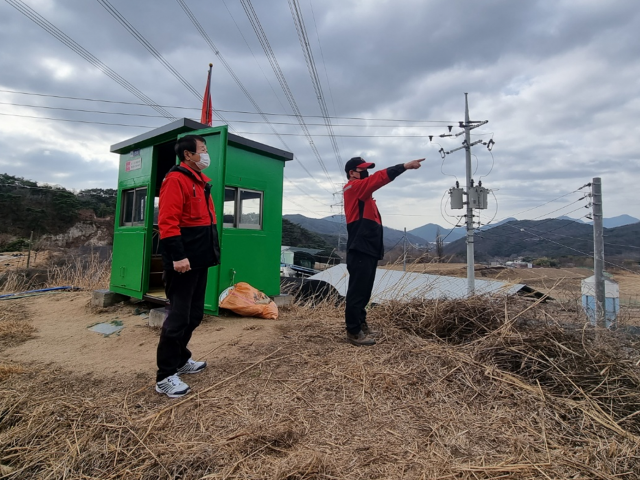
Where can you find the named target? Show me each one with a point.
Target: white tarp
(396, 285)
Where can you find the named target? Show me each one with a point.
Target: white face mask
(204, 162)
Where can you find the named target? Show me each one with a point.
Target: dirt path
(63, 338)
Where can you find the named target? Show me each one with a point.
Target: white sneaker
(173, 387)
(191, 367)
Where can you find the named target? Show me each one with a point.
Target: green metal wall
(254, 255)
(130, 262)
(247, 255)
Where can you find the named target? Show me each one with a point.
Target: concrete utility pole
(404, 250)
(598, 252)
(471, 286)
(476, 195)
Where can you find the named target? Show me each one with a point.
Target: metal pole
(470, 254)
(29, 254)
(404, 251)
(598, 252)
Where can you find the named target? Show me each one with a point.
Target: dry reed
(87, 272)
(468, 389)
(15, 326)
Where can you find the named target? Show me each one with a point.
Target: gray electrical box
(478, 197)
(456, 198)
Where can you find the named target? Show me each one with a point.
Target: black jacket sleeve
(396, 170)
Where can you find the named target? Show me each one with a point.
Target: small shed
(612, 300)
(247, 187)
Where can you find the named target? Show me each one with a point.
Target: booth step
(106, 298)
(157, 316)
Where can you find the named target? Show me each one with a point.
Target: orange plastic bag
(245, 300)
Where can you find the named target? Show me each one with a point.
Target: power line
(244, 90)
(75, 121)
(298, 20)
(369, 119)
(267, 121)
(67, 41)
(253, 55)
(550, 201)
(156, 126)
(151, 49)
(324, 65)
(273, 61)
(579, 251)
(541, 222)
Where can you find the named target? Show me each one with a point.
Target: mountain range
(335, 225)
(552, 238)
(330, 228)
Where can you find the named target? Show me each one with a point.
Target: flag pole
(206, 117)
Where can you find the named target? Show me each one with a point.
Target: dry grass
(87, 272)
(7, 370)
(470, 389)
(15, 326)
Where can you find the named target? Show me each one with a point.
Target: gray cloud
(556, 80)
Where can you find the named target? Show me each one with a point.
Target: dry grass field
(470, 389)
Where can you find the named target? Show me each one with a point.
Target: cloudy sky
(558, 82)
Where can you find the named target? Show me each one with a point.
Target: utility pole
(598, 252)
(471, 287)
(476, 194)
(404, 251)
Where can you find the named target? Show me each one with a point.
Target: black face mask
(364, 174)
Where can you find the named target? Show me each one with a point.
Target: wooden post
(29, 254)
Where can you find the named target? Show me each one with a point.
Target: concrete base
(283, 300)
(157, 316)
(106, 298)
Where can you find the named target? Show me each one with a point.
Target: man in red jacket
(189, 241)
(364, 242)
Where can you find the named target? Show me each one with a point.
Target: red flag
(207, 110)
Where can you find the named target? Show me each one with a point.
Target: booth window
(229, 210)
(242, 208)
(134, 203)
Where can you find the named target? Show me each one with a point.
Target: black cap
(357, 162)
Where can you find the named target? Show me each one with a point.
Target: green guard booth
(246, 179)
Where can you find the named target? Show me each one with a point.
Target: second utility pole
(470, 255)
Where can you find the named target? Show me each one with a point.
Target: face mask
(204, 162)
(364, 174)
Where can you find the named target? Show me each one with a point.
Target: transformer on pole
(476, 194)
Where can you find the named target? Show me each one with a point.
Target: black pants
(185, 292)
(362, 273)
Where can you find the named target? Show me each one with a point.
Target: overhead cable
(369, 119)
(273, 61)
(301, 29)
(151, 49)
(81, 51)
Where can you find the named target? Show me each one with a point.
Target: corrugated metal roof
(395, 285)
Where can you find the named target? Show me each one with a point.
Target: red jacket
(187, 219)
(364, 224)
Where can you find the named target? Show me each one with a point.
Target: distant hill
(548, 238)
(26, 206)
(618, 221)
(324, 227)
(611, 222)
(430, 231)
(294, 235)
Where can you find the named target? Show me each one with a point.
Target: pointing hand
(413, 164)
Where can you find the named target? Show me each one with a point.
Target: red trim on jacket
(364, 224)
(187, 227)
(182, 203)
